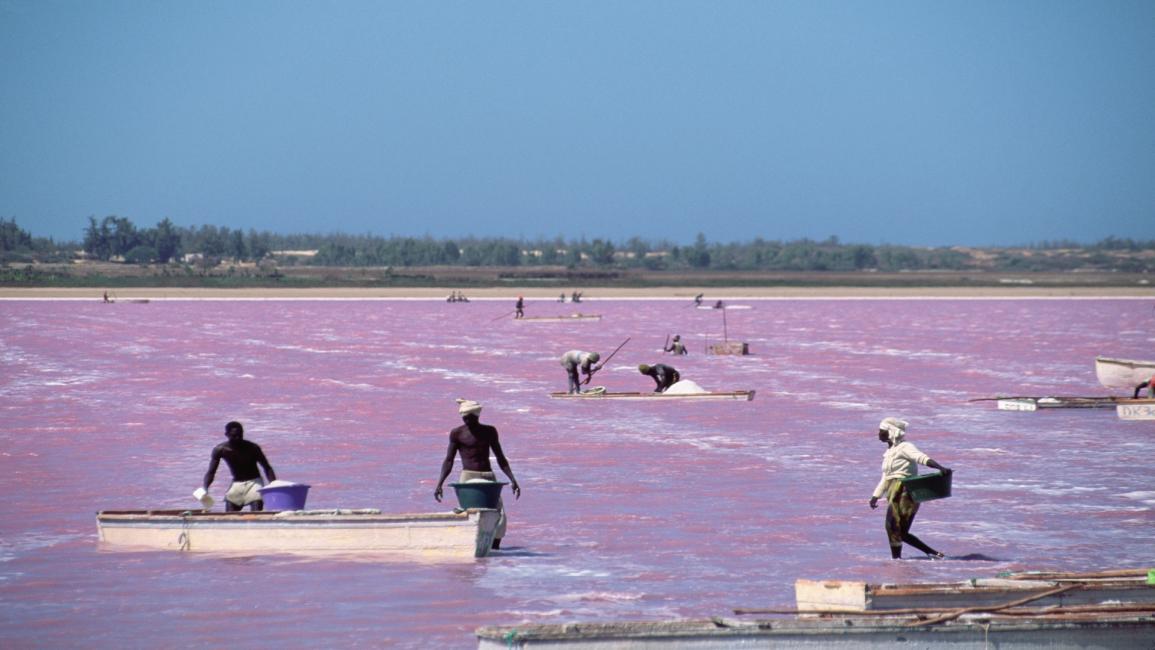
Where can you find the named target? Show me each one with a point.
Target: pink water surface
(630, 510)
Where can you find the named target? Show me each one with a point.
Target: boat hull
(1124, 631)
(738, 395)
(465, 535)
(1123, 373)
(558, 319)
(1040, 403)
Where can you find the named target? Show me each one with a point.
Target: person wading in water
(900, 461)
(474, 440)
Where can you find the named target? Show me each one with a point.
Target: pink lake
(630, 510)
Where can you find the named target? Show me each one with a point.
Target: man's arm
(264, 462)
(1139, 388)
(213, 464)
(446, 467)
(504, 465)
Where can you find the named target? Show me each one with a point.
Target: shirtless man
(474, 440)
(242, 457)
(664, 376)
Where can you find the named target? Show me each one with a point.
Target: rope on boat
(183, 540)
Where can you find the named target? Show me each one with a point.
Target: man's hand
(516, 490)
(437, 494)
(873, 503)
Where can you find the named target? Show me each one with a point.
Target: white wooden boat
(1123, 373)
(1042, 590)
(1063, 402)
(558, 319)
(440, 535)
(740, 395)
(1113, 609)
(1103, 628)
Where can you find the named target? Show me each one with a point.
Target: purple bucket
(285, 497)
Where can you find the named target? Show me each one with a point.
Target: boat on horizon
(739, 395)
(557, 319)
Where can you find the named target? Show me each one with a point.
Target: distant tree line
(119, 239)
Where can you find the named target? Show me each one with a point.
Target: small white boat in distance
(449, 535)
(558, 319)
(1123, 373)
(739, 395)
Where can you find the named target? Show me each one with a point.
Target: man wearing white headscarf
(900, 461)
(474, 440)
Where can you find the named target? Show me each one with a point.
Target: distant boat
(740, 395)
(465, 535)
(558, 319)
(1123, 373)
(725, 307)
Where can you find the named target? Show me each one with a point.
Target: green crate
(928, 487)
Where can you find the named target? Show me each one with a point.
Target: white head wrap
(467, 407)
(894, 428)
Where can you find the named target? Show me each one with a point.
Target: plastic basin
(478, 494)
(285, 497)
(928, 487)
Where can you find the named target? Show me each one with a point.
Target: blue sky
(923, 123)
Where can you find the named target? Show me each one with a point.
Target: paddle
(599, 366)
(666, 344)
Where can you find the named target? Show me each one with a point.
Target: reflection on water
(629, 510)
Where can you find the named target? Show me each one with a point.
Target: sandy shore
(532, 293)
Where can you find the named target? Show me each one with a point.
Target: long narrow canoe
(857, 596)
(1023, 403)
(439, 535)
(740, 395)
(558, 319)
(1123, 373)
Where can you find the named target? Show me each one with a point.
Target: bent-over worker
(900, 461)
(664, 376)
(576, 360)
(242, 457)
(474, 440)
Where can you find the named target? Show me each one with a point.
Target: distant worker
(561, 298)
(698, 299)
(575, 361)
(1149, 385)
(576, 297)
(664, 376)
(519, 308)
(106, 297)
(900, 461)
(242, 457)
(676, 346)
(718, 305)
(474, 440)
